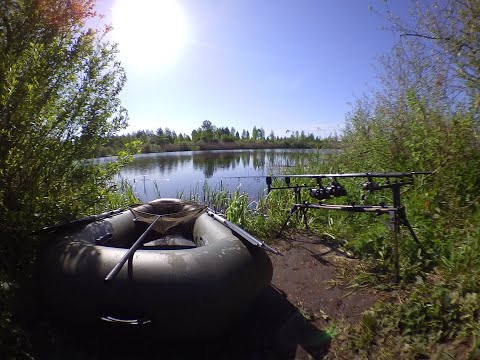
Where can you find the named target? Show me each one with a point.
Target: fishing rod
(335, 189)
(355, 175)
(335, 175)
(245, 177)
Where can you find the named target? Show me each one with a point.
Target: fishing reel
(332, 190)
(371, 186)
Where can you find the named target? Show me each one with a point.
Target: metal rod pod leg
(395, 233)
(113, 273)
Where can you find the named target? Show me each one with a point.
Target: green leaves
(417, 121)
(59, 87)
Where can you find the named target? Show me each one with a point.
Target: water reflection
(210, 162)
(169, 174)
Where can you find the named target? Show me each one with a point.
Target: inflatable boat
(191, 275)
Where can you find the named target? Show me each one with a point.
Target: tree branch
(428, 37)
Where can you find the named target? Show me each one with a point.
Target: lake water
(191, 172)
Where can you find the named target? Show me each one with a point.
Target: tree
(168, 136)
(207, 126)
(254, 133)
(59, 87)
(447, 31)
(271, 137)
(195, 135)
(261, 134)
(425, 116)
(206, 131)
(425, 113)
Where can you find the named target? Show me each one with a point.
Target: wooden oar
(238, 231)
(111, 275)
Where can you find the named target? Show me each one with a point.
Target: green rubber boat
(186, 273)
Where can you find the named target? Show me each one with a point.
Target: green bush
(59, 87)
(59, 99)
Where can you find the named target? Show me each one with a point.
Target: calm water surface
(191, 172)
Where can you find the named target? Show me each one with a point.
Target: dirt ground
(306, 276)
(292, 318)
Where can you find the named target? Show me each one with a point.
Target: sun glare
(150, 33)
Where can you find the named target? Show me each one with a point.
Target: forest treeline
(211, 137)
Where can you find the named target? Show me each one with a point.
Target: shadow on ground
(273, 329)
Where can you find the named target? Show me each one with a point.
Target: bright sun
(150, 33)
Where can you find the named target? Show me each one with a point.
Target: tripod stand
(396, 212)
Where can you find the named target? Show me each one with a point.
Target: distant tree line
(210, 137)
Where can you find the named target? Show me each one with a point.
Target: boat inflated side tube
(190, 291)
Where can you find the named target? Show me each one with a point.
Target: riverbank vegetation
(59, 86)
(424, 117)
(210, 137)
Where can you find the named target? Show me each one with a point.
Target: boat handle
(141, 321)
(104, 239)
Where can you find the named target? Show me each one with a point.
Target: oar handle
(242, 233)
(113, 273)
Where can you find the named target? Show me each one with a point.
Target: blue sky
(277, 64)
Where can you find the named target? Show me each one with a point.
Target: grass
(438, 314)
